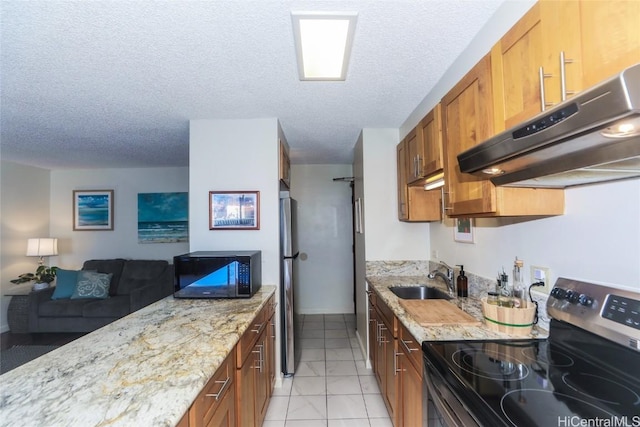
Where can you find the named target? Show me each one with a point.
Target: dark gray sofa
(135, 284)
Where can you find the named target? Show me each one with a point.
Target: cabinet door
(285, 165)
(373, 331)
(245, 400)
(225, 416)
(467, 121)
(415, 155)
(401, 158)
(526, 62)
(410, 402)
(610, 38)
(391, 379)
(262, 384)
(271, 353)
(430, 127)
(380, 356)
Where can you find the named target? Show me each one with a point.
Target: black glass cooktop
(573, 375)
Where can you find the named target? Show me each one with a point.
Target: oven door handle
(441, 397)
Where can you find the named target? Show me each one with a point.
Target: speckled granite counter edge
(145, 369)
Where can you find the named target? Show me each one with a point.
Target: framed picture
(463, 230)
(234, 210)
(163, 217)
(92, 210)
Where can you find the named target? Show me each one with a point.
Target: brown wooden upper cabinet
(415, 204)
(425, 147)
(557, 49)
(610, 33)
(467, 112)
(285, 165)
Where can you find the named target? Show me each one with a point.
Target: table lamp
(42, 247)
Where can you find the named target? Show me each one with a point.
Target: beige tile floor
(331, 386)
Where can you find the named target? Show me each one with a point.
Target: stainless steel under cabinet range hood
(592, 137)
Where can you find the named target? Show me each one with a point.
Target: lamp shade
(42, 247)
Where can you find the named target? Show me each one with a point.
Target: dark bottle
(462, 283)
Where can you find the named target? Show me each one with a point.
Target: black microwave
(217, 274)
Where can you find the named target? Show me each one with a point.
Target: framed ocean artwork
(92, 210)
(163, 217)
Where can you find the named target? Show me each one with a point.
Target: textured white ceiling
(114, 83)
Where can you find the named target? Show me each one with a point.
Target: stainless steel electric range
(586, 373)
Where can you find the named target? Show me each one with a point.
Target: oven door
(441, 406)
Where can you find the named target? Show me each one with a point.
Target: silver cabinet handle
(258, 327)
(395, 364)
(406, 346)
(541, 75)
(217, 395)
(563, 76)
(259, 347)
(419, 174)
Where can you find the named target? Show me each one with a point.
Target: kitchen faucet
(448, 278)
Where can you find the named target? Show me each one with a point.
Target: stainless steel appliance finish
(586, 373)
(289, 255)
(569, 144)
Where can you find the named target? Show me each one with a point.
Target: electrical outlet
(541, 274)
(435, 254)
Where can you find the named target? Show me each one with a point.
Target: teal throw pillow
(65, 284)
(92, 285)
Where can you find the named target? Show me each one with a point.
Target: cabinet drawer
(249, 338)
(218, 390)
(410, 346)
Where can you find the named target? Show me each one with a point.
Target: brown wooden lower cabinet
(215, 405)
(410, 371)
(238, 393)
(396, 358)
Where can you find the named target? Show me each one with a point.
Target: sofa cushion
(113, 266)
(62, 307)
(92, 285)
(139, 273)
(117, 306)
(65, 283)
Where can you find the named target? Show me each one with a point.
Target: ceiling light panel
(323, 44)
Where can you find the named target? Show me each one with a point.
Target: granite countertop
(470, 305)
(145, 369)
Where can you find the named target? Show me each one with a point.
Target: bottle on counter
(519, 289)
(462, 283)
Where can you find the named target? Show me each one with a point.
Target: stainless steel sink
(419, 292)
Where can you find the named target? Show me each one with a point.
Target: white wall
(236, 155)
(325, 236)
(597, 240)
(24, 213)
(75, 247)
(386, 237)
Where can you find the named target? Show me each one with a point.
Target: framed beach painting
(163, 217)
(92, 210)
(234, 210)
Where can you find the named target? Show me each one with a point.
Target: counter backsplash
(478, 285)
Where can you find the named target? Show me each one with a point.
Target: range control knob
(585, 300)
(558, 293)
(572, 297)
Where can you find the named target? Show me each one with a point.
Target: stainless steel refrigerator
(289, 259)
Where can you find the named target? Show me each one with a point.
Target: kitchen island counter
(470, 305)
(145, 369)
